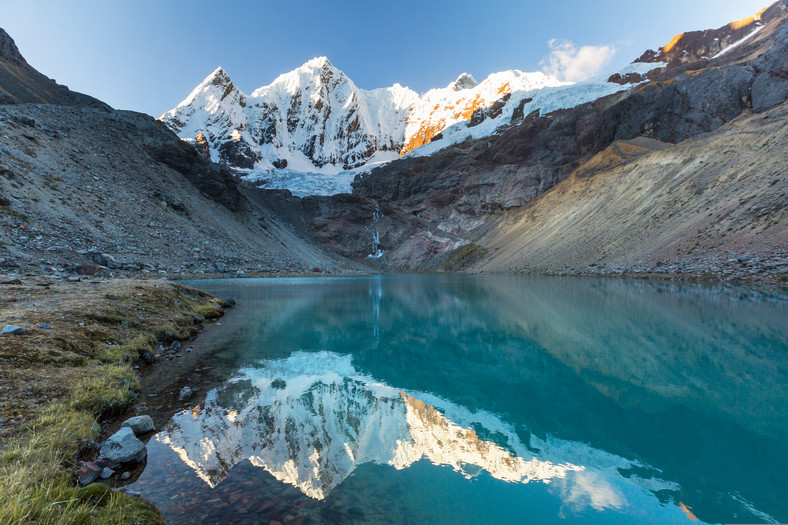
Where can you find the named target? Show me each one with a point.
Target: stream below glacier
(479, 399)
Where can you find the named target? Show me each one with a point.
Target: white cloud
(567, 62)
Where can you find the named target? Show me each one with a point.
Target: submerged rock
(139, 424)
(186, 393)
(123, 447)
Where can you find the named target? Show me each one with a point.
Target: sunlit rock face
(311, 419)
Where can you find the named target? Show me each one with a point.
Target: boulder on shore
(139, 424)
(123, 447)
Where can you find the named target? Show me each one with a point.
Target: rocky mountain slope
(87, 189)
(447, 205)
(20, 82)
(712, 204)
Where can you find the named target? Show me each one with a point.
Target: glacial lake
(449, 399)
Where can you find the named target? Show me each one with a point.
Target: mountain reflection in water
(311, 419)
(648, 401)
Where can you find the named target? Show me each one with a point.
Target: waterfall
(376, 216)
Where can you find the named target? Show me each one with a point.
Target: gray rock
(768, 91)
(126, 475)
(12, 329)
(186, 393)
(123, 447)
(139, 424)
(88, 473)
(106, 472)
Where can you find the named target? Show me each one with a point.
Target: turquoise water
(481, 399)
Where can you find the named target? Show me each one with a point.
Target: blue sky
(147, 55)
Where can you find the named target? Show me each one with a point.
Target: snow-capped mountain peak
(219, 76)
(464, 81)
(313, 123)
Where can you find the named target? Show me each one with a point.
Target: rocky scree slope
(88, 189)
(94, 191)
(712, 205)
(435, 205)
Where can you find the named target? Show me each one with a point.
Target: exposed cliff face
(19, 82)
(712, 204)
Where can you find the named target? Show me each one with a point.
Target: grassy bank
(70, 371)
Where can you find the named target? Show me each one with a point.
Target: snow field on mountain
(312, 130)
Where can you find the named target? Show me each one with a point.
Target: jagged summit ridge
(315, 117)
(314, 123)
(8, 49)
(464, 81)
(711, 44)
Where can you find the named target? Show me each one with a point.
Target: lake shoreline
(71, 375)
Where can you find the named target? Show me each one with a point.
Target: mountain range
(672, 166)
(316, 121)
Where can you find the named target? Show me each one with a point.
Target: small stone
(123, 446)
(186, 393)
(88, 473)
(106, 463)
(44, 326)
(176, 345)
(139, 424)
(126, 475)
(106, 472)
(12, 329)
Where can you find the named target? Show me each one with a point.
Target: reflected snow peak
(311, 419)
